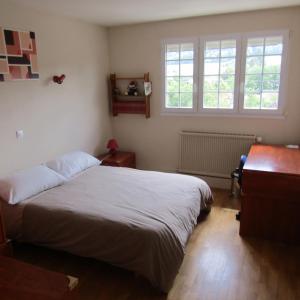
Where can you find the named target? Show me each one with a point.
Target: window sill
(224, 115)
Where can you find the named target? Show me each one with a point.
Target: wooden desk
(271, 194)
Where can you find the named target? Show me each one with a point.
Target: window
(179, 76)
(263, 58)
(240, 74)
(219, 74)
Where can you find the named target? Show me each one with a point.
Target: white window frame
(164, 43)
(283, 73)
(241, 53)
(203, 40)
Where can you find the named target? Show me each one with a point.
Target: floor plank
(219, 264)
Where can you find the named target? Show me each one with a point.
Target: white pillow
(72, 163)
(27, 183)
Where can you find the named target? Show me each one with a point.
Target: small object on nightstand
(112, 145)
(119, 159)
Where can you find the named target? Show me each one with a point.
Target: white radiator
(212, 154)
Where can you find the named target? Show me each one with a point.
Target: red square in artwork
(12, 42)
(15, 72)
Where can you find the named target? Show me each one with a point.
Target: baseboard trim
(220, 183)
(213, 182)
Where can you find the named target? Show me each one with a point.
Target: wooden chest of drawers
(271, 187)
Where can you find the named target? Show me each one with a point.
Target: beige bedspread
(138, 220)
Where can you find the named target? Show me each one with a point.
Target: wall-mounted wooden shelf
(129, 104)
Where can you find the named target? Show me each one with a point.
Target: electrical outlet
(19, 134)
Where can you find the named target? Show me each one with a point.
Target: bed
(134, 219)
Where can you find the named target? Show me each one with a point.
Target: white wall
(136, 49)
(55, 118)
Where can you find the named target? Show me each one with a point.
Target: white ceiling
(121, 12)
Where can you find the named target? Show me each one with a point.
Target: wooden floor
(219, 264)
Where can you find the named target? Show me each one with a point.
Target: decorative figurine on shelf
(132, 89)
(112, 145)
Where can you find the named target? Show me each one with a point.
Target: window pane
(212, 49)
(187, 51)
(269, 101)
(179, 75)
(228, 48)
(255, 46)
(253, 83)
(227, 66)
(219, 74)
(271, 85)
(270, 77)
(252, 101)
(172, 100)
(211, 66)
(273, 45)
(172, 84)
(210, 100)
(186, 100)
(254, 65)
(172, 68)
(186, 84)
(264, 66)
(172, 52)
(226, 100)
(227, 83)
(186, 67)
(211, 83)
(272, 64)
(271, 82)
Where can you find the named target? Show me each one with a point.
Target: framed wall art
(18, 55)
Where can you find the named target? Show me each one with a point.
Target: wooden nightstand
(119, 159)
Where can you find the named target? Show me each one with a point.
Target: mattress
(138, 220)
